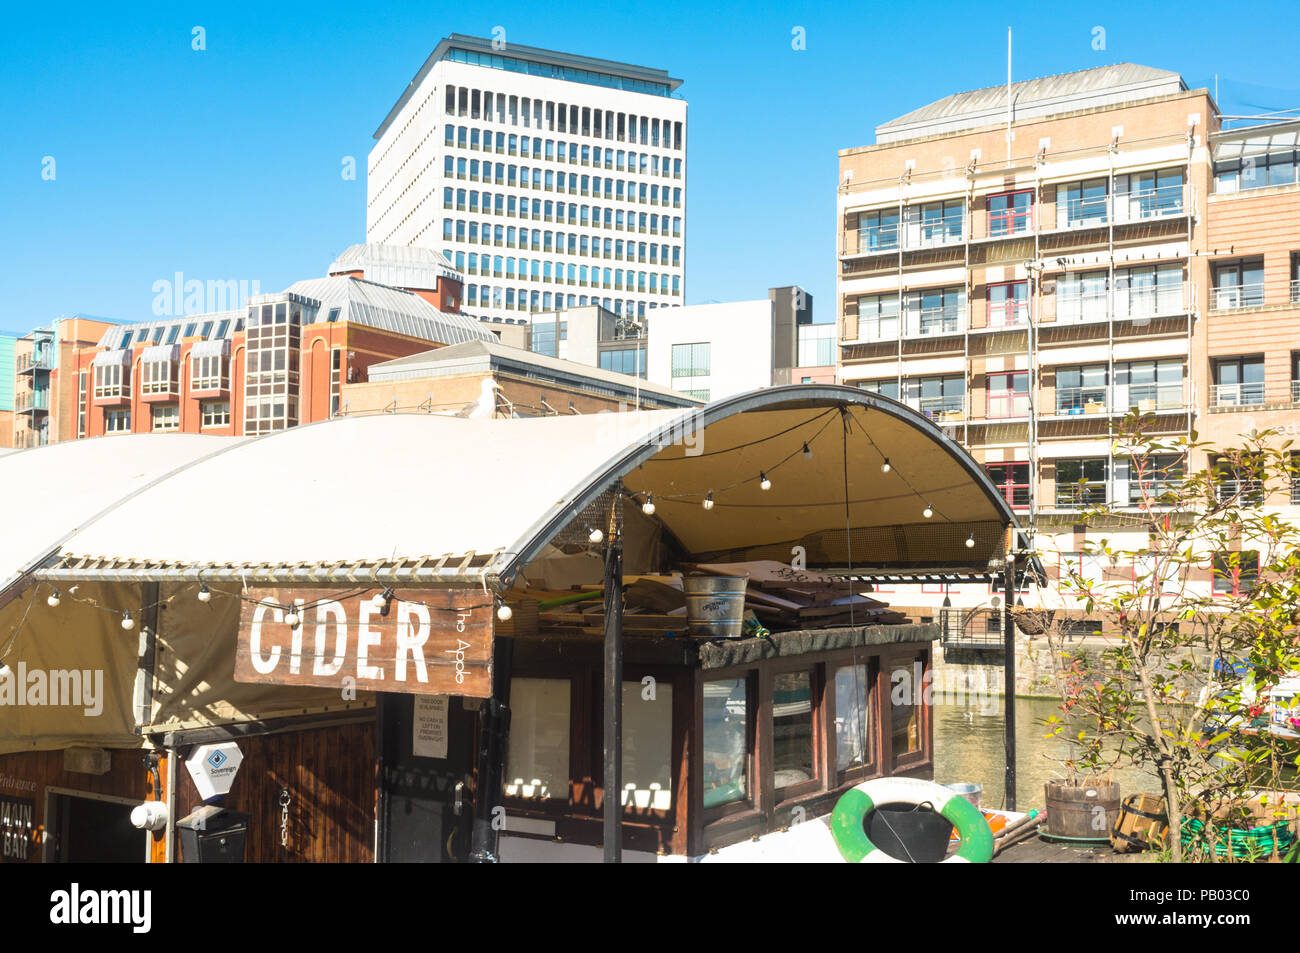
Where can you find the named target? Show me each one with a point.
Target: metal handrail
(941, 320)
(1236, 395)
(1249, 295)
(1082, 400)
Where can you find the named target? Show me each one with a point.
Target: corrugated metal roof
(483, 356)
(159, 331)
(392, 309)
(401, 266)
(1101, 85)
(161, 352)
(119, 355)
(211, 348)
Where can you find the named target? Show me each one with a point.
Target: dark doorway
(426, 805)
(87, 830)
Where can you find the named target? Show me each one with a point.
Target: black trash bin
(213, 835)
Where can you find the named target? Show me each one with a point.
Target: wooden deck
(1035, 850)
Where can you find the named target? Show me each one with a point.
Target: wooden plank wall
(330, 774)
(127, 778)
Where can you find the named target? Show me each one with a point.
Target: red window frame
(1009, 217)
(1005, 311)
(1005, 401)
(1008, 486)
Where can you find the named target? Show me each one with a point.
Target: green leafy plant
(1214, 582)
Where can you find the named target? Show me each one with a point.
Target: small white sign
(429, 726)
(213, 768)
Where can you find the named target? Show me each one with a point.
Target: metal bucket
(970, 792)
(715, 606)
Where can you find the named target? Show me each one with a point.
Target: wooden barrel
(1081, 811)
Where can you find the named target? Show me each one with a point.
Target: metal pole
(613, 839)
(494, 735)
(1009, 681)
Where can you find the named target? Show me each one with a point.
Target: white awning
(57, 489)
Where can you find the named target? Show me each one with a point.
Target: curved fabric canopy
(54, 490)
(424, 497)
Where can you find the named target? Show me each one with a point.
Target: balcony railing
(935, 321)
(878, 328)
(1009, 314)
(1295, 392)
(1295, 290)
(1247, 492)
(1124, 302)
(38, 360)
(939, 409)
(1237, 297)
(1087, 212)
(934, 233)
(1151, 489)
(884, 238)
(1073, 401)
(1004, 406)
(1147, 398)
(1076, 496)
(1143, 204)
(1237, 395)
(25, 401)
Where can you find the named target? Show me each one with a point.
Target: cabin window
(726, 741)
(852, 707)
(647, 746)
(794, 762)
(537, 765)
(907, 685)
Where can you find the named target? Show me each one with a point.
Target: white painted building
(711, 351)
(549, 180)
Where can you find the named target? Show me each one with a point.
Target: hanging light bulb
(763, 482)
(504, 613)
(53, 600)
(4, 670)
(970, 541)
(708, 501)
(127, 622)
(648, 507)
(205, 594)
(380, 600)
(594, 535)
(807, 454)
(885, 467)
(291, 618)
(927, 512)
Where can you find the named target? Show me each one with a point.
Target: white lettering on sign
(459, 654)
(411, 639)
(325, 612)
(264, 665)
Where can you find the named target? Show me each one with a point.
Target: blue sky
(225, 164)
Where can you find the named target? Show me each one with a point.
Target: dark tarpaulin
(803, 641)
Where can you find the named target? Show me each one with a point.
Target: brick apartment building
(1027, 278)
(280, 361)
(44, 378)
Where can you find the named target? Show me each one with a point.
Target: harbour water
(968, 746)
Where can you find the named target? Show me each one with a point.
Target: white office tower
(549, 180)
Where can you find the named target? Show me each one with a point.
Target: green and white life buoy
(857, 802)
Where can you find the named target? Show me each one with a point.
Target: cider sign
(419, 641)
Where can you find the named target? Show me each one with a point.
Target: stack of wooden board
(787, 598)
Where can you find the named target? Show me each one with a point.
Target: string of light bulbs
(764, 480)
